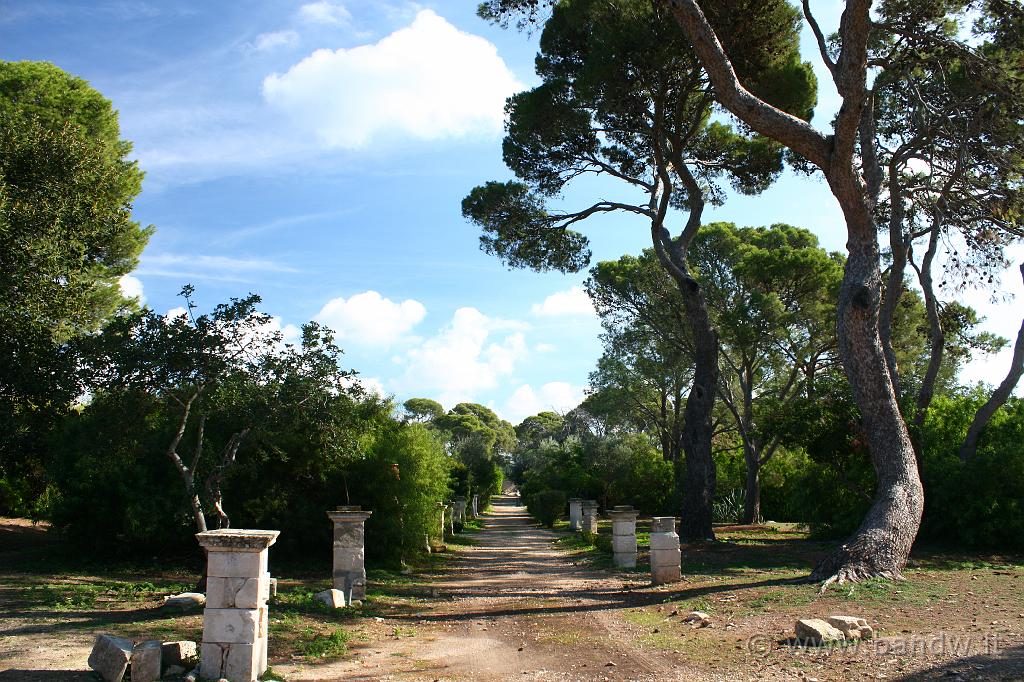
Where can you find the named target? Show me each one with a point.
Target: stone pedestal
(349, 570)
(665, 553)
(235, 619)
(575, 513)
(460, 510)
(475, 506)
(588, 518)
(623, 536)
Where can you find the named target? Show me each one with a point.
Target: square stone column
(460, 509)
(235, 618)
(575, 513)
(665, 553)
(589, 517)
(623, 536)
(475, 506)
(444, 512)
(349, 569)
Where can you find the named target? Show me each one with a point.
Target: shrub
(547, 505)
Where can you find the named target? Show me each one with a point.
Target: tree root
(854, 573)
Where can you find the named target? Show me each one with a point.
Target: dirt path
(511, 607)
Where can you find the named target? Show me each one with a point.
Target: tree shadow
(1001, 664)
(46, 676)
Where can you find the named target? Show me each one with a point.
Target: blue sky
(316, 153)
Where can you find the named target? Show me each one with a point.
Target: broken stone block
(816, 631)
(236, 593)
(183, 653)
(187, 601)
(174, 671)
(110, 657)
(697, 619)
(851, 627)
(145, 661)
(333, 598)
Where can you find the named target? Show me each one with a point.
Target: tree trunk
(752, 501)
(699, 484)
(998, 397)
(881, 545)
(936, 337)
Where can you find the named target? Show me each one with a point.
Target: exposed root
(856, 573)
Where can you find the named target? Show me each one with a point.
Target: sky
(316, 153)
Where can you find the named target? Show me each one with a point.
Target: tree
(623, 97)
(225, 366)
(422, 409)
(849, 160)
(66, 237)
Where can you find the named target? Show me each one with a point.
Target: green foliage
(315, 645)
(547, 506)
(979, 503)
(422, 409)
(66, 237)
(404, 502)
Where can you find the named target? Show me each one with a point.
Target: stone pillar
(623, 536)
(476, 506)
(235, 619)
(349, 570)
(665, 552)
(575, 513)
(444, 512)
(588, 511)
(460, 510)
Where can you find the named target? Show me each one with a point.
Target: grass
(333, 645)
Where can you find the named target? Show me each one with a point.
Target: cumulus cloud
(269, 41)
(324, 12)
(545, 348)
(469, 355)
(131, 287)
(369, 318)
(554, 396)
(571, 303)
(427, 81)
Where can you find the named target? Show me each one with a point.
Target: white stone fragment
(816, 631)
(332, 598)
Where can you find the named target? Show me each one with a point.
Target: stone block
(665, 557)
(663, 524)
(237, 593)
(146, 661)
(110, 657)
(183, 653)
(664, 541)
(348, 558)
(624, 544)
(665, 574)
(233, 662)
(697, 619)
(184, 602)
(852, 627)
(333, 598)
(236, 564)
(623, 527)
(229, 626)
(817, 632)
(349, 534)
(624, 559)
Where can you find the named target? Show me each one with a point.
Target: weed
(316, 645)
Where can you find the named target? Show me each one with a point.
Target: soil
(517, 605)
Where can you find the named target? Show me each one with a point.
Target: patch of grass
(314, 645)
(91, 595)
(877, 591)
(462, 540)
(772, 599)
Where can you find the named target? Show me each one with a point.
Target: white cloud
(269, 41)
(571, 303)
(131, 287)
(324, 12)
(545, 348)
(369, 318)
(463, 359)
(179, 311)
(427, 81)
(555, 396)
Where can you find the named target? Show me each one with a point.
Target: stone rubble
(110, 657)
(333, 598)
(816, 632)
